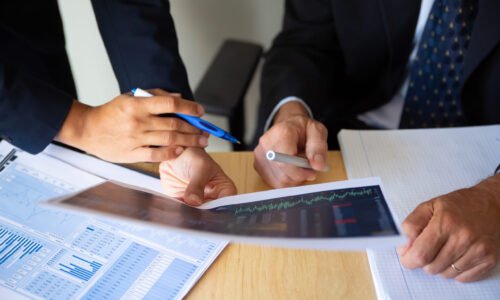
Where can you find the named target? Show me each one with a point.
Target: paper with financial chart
(338, 215)
(50, 254)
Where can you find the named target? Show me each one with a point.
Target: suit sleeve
(302, 59)
(141, 42)
(31, 111)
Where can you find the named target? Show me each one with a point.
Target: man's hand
(195, 178)
(124, 129)
(461, 228)
(293, 132)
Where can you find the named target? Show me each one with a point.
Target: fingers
(287, 137)
(450, 253)
(164, 104)
(478, 260)
(148, 154)
(292, 175)
(448, 238)
(417, 220)
(426, 237)
(171, 124)
(220, 185)
(277, 174)
(194, 194)
(200, 173)
(195, 177)
(415, 223)
(316, 145)
(185, 177)
(476, 273)
(423, 249)
(166, 138)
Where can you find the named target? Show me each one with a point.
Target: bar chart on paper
(79, 267)
(51, 254)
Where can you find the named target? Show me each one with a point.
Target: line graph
(348, 212)
(22, 188)
(303, 200)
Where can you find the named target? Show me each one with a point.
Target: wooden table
(253, 272)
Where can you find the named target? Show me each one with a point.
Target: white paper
(62, 255)
(415, 166)
(103, 169)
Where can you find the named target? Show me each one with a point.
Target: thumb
(415, 223)
(195, 191)
(316, 145)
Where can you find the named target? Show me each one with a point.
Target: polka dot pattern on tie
(436, 74)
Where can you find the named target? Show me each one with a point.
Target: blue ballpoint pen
(195, 121)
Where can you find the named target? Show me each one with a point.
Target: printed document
(415, 166)
(338, 215)
(50, 254)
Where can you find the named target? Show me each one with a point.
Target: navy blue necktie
(436, 75)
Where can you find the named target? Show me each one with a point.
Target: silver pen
(290, 159)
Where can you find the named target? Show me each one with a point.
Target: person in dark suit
(38, 97)
(390, 64)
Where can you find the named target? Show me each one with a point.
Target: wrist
(72, 130)
(490, 187)
(289, 110)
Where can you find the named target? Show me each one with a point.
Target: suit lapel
(485, 35)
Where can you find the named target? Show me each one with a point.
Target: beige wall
(201, 25)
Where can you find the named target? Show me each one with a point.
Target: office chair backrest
(223, 87)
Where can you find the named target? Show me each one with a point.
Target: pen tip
(238, 142)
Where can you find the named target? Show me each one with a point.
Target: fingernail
(179, 150)
(311, 178)
(194, 199)
(203, 141)
(318, 158)
(402, 250)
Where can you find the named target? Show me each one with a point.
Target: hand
(195, 177)
(124, 129)
(293, 132)
(460, 228)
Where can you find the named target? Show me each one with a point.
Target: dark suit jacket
(36, 85)
(348, 57)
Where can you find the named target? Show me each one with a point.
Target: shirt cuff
(280, 104)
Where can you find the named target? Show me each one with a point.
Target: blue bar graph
(15, 246)
(80, 267)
